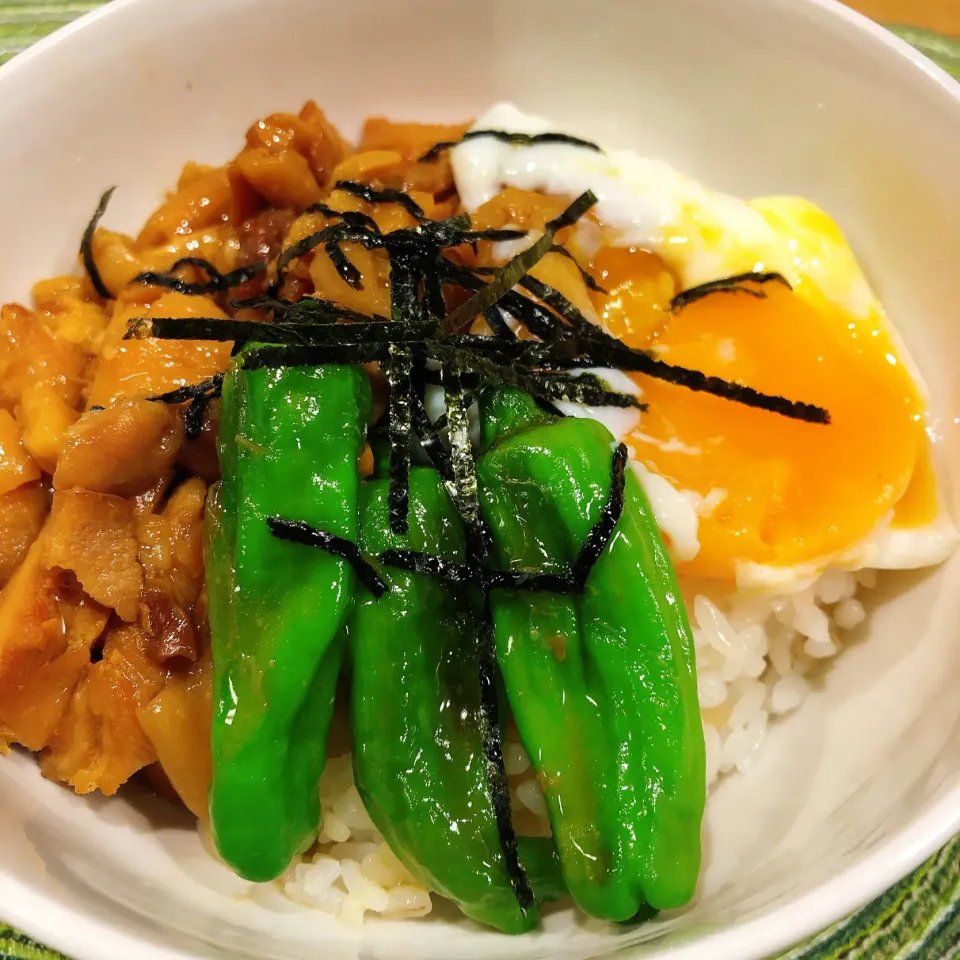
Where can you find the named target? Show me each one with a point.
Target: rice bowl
(834, 592)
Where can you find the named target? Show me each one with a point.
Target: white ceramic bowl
(754, 96)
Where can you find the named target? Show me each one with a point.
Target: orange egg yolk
(785, 492)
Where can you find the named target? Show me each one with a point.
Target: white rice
(352, 871)
(755, 657)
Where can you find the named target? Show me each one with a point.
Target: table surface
(942, 15)
(919, 918)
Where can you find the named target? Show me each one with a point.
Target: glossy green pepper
(602, 685)
(289, 444)
(418, 758)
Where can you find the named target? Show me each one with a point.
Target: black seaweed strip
(587, 277)
(353, 217)
(493, 753)
(216, 283)
(540, 322)
(434, 566)
(533, 582)
(498, 326)
(348, 272)
(461, 458)
(200, 396)
(296, 531)
(602, 530)
(694, 380)
(193, 418)
(509, 275)
(469, 382)
(260, 358)
(530, 353)
(598, 348)
(587, 389)
(190, 392)
(432, 306)
(86, 246)
(572, 389)
(404, 307)
(728, 285)
(311, 309)
(291, 334)
(515, 139)
(507, 233)
(190, 288)
(429, 438)
(365, 192)
(536, 319)
(557, 302)
(430, 565)
(398, 369)
(338, 231)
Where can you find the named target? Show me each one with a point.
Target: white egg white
(701, 235)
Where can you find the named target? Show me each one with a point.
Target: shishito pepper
(601, 684)
(289, 444)
(418, 727)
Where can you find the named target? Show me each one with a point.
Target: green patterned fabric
(940, 49)
(24, 23)
(15, 946)
(918, 919)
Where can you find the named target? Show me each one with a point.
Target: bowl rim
(69, 930)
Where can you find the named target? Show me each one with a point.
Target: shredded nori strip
(514, 139)
(311, 309)
(86, 246)
(508, 277)
(493, 754)
(728, 285)
(596, 348)
(571, 581)
(495, 234)
(262, 358)
(433, 307)
(338, 232)
(434, 566)
(585, 274)
(698, 382)
(602, 530)
(467, 497)
(353, 217)
(348, 272)
(365, 192)
(429, 437)
(398, 368)
(583, 388)
(296, 531)
(294, 334)
(498, 326)
(431, 566)
(404, 277)
(216, 283)
(199, 396)
(560, 305)
(193, 418)
(189, 392)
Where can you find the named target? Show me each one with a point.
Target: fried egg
(741, 494)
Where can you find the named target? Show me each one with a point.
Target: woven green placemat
(918, 919)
